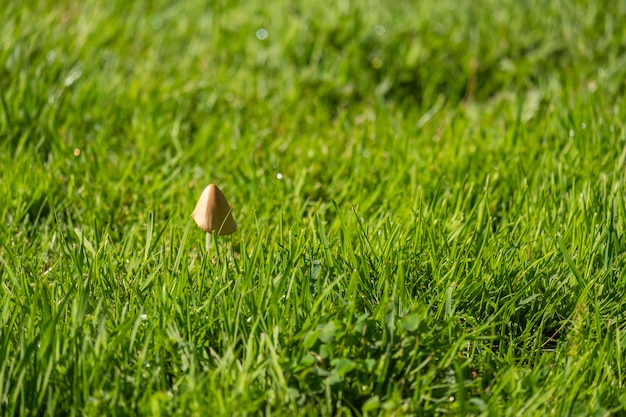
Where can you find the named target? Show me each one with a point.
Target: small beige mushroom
(213, 214)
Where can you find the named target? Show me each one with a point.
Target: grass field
(429, 197)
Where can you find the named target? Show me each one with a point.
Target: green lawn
(429, 198)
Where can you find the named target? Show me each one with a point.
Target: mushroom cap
(212, 212)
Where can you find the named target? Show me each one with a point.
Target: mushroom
(213, 214)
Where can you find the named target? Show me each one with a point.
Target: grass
(430, 207)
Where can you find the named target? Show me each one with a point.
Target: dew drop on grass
(583, 125)
(571, 133)
(279, 176)
(380, 30)
(261, 34)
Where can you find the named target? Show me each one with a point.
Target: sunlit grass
(429, 199)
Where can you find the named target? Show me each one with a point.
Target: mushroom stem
(208, 242)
